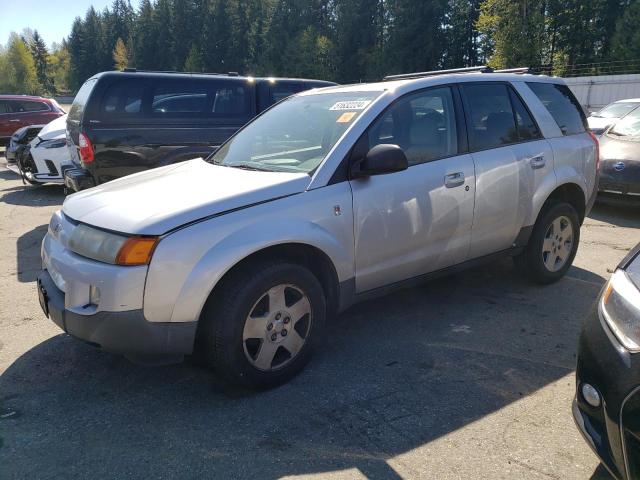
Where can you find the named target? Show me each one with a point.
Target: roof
(23, 97)
(225, 76)
(628, 100)
(427, 81)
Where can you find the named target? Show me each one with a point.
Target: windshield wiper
(247, 166)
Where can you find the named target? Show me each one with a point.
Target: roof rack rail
(134, 70)
(404, 76)
(517, 70)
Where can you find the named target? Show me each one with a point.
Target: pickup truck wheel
(552, 246)
(261, 327)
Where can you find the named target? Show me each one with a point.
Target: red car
(18, 111)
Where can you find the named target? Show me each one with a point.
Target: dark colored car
(620, 161)
(19, 141)
(125, 122)
(17, 111)
(607, 402)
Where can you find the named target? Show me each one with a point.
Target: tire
(549, 254)
(252, 317)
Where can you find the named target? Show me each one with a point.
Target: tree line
(340, 40)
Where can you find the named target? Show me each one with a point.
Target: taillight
(597, 143)
(85, 149)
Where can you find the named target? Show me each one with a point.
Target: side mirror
(381, 159)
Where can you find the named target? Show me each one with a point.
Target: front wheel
(261, 327)
(552, 246)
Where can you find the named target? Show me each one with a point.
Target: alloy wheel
(277, 327)
(558, 244)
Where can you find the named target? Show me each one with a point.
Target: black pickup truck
(125, 122)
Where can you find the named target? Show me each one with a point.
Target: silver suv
(328, 198)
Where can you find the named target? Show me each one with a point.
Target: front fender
(189, 263)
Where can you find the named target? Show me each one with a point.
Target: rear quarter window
(80, 101)
(21, 106)
(562, 105)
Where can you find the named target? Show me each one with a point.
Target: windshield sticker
(346, 117)
(351, 105)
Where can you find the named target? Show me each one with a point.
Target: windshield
(629, 126)
(295, 135)
(616, 110)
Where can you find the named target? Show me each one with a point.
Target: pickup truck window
(296, 134)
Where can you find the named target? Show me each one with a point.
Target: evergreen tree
(416, 39)
(145, 37)
(626, 40)
(40, 56)
(515, 30)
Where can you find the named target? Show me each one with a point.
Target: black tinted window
(202, 99)
(4, 107)
(29, 106)
(527, 128)
(279, 92)
(123, 98)
(423, 124)
(491, 117)
(75, 113)
(562, 105)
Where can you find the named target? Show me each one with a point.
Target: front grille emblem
(619, 166)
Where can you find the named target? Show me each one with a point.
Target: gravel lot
(470, 376)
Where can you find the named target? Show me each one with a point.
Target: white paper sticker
(351, 105)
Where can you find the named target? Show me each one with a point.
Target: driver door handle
(453, 180)
(537, 162)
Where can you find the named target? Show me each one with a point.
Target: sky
(52, 18)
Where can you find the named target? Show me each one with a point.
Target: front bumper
(127, 332)
(615, 373)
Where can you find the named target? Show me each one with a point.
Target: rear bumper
(77, 179)
(127, 333)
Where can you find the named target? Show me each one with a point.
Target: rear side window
(80, 100)
(123, 98)
(490, 117)
(20, 106)
(282, 91)
(526, 126)
(4, 107)
(562, 105)
(201, 99)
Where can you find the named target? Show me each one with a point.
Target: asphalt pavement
(469, 376)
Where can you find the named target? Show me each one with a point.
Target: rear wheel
(261, 326)
(552, 246)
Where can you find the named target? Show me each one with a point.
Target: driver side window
(423, 124)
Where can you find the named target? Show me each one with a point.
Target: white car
(48, 154)
(330, 197)
(607, 116)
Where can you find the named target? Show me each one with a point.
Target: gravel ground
(470, 376)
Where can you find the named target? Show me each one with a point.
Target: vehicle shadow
(621, 216)
(396, 374)
(33, 195)
(28, 254)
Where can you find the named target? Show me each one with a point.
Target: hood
(623, 148)
(600, 123)
(158, 200)
(54, 129)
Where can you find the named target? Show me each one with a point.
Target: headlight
(110, 247)
(55, 143)
(620, 306)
